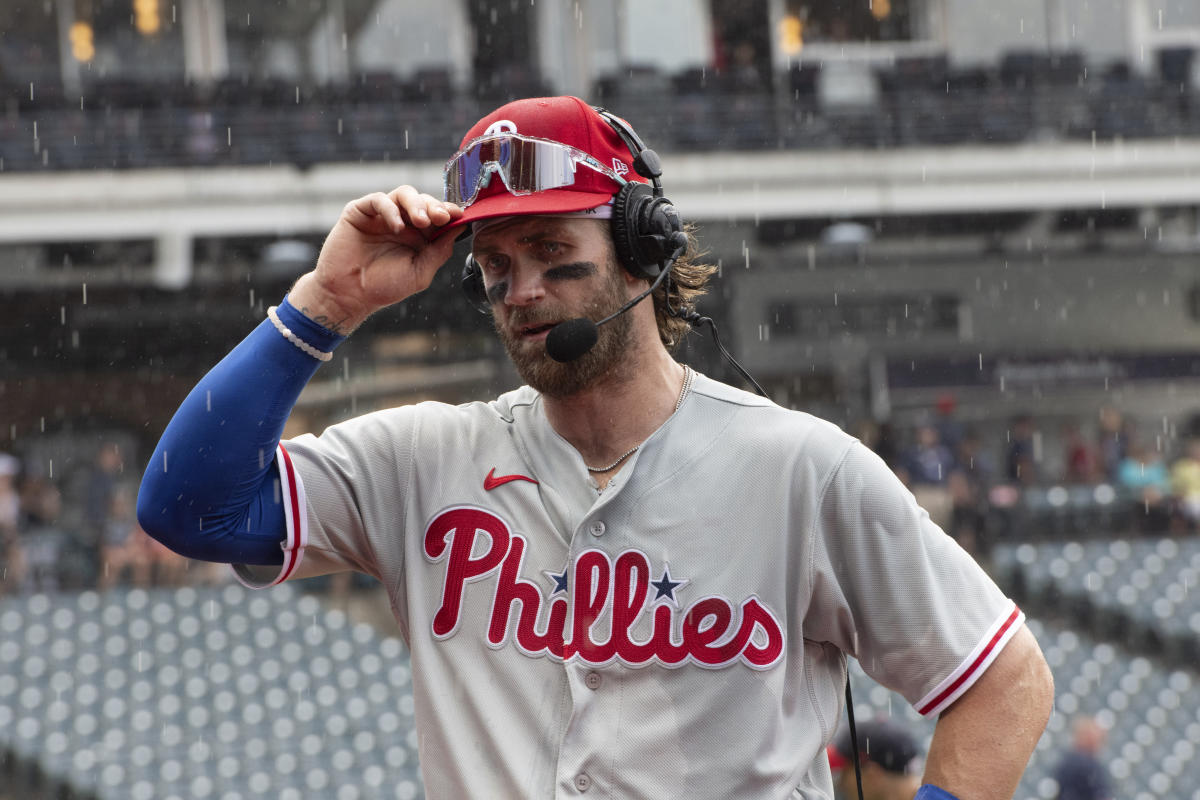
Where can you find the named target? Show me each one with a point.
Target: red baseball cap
(569, 121)
(883, 741)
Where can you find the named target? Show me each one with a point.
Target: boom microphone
(569, 340)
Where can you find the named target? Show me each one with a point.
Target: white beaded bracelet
(286, 333)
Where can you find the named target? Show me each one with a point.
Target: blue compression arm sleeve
(210, 490)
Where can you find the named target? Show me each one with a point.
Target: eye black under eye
(497, 291)
(569, 272)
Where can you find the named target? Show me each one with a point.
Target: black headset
(647, 230)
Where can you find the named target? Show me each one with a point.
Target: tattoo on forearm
(329, 324)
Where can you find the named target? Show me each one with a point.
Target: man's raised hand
(383, 249)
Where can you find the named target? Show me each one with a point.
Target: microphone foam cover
(569, 340)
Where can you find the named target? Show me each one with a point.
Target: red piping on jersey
(492, 480)
(949, 690)
(292, 552)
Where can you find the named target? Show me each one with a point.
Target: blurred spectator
(880, 437)
(1114, 441)
(45, 544)
(1185, 483)
(950, 429)
(968, 513)
(975, 460)
(1143, 476)
(926, 466)
(124, 545)
(928, 461)
(867, 432)
(889, 757)
(10, 515)
(1080, 774)
(98, 502)
(1081, 460)
(970, 486)
(887, 444)
(1185, 479)
(1021, 458)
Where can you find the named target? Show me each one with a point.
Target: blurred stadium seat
(1152, 714)
(207, 692)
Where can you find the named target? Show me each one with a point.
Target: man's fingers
(423, 210)
(390, 213)
(365, 212)
(400, 209)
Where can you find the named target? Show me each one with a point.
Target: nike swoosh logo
(493, 480)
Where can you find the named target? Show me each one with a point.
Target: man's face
(540, 271)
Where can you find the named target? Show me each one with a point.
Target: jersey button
(583, 782)
(596, 528)
(592, 680)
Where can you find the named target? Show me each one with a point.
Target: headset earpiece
(647, 164)
(472, 285)
(647, 230)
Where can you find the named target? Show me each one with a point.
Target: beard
(556, 379)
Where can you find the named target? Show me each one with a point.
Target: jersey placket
(590, 734)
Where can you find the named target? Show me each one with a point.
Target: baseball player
(623, 579)
(889, 759)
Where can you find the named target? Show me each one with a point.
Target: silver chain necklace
(687, 385)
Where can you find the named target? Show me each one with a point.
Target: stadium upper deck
(378, 117)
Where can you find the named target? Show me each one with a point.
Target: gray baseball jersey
(681, 634)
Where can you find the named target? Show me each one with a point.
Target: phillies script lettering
(594, 620)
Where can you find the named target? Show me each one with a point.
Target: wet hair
(688, 283)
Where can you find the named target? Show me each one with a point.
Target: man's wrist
(306, 328)
(930, 792)
(309, 299)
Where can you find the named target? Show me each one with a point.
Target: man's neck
(618, 412)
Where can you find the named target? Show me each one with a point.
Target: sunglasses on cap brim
(525, 164)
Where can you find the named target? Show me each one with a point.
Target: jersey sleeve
(893, 590)
(344, 499)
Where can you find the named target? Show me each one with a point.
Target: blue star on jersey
(560, 580)
(665, 587)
